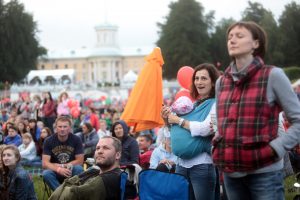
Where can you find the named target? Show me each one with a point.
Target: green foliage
(257, 13)
(218, 45)
(289, 27)
(184, 37)
(19, 47)
(293, 73)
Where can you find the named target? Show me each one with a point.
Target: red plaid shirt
(246, 121)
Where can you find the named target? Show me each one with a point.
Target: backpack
(81, 187)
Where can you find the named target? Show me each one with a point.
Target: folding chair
(131, 187)
(47, 191)
(123, 180)
(158, 185)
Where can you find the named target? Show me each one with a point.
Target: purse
(184, 145)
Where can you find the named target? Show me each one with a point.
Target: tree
(19, 47)
(218, 45)
(257, 13)
(290, 31)
(184, 37)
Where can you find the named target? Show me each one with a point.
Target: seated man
(62, 154)
(145, 142)
(102, 185)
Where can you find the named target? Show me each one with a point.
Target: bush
(293, 73)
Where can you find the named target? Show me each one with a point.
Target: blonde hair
(27, 135)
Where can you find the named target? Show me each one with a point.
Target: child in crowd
(27, 150)
(162, 157)
(144, 142)
(182, 105)
(13, 137)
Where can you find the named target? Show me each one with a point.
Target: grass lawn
(39, 187)
(290, 191)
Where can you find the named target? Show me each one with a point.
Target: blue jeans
(53, 179)
(264, 186)
(203, 180)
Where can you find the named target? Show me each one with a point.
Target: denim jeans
(53, 179)
(203, 180)
(264, 186)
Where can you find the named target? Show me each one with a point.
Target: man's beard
(106, 164)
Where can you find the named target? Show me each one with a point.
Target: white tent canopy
(130, 77)
(57, 75)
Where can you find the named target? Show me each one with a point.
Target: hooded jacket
(130, 148)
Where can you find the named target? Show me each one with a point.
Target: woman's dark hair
(14, 127)
(40, 142)
(33, 130)
(257, 32)
(22, 131)
(50, 97)
(213, 74)
(7, 124)
(89, 126)
(48, 130)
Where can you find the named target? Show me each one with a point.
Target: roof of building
(100, 51)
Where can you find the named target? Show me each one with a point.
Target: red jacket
(49, 109)
(145, 159)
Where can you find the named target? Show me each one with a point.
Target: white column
(113, 71)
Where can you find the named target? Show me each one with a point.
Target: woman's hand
(166, 161)
(165, 111)
(173, 119)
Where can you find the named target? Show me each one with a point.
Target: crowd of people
(245, 150)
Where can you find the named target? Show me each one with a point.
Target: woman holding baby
(191, 134)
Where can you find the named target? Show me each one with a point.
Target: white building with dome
(105, 63)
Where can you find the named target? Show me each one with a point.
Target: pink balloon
(184, 76)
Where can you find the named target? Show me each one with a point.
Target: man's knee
(48, 173)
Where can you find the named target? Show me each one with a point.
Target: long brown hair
(5, 168)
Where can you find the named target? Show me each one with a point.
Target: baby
(182, 105)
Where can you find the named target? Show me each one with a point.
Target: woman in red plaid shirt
(250, 96)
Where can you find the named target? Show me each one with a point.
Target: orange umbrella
(145, 101)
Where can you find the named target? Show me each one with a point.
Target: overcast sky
(70, 24)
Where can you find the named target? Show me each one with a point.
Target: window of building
(66, 66)
(56, 66)
(43, 67)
